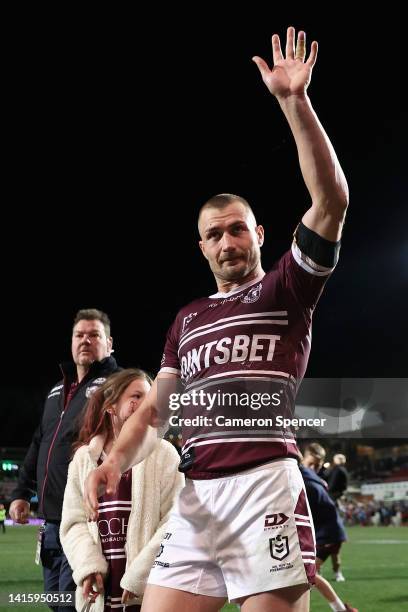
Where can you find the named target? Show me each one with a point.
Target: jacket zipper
(48, 459)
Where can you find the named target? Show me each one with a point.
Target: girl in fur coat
(111, 558)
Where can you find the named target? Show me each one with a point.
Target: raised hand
(290, 75)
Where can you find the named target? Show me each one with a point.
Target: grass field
(375, 564)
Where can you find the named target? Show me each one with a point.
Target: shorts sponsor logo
(279, 547)
(160, 551)
(275, 520)
(167, 536)
(161, 564)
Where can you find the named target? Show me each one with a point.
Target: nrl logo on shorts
(253, 295)
(279, 547)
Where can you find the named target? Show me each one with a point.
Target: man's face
(89, 342)
(231, 241)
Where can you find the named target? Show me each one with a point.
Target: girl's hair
(96, 419)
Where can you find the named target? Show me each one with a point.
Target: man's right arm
(136, 441)
(27, 481)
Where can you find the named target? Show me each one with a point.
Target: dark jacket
(45, 466)
(327, 522)
(337, 481)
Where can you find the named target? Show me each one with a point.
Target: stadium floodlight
(8, 466)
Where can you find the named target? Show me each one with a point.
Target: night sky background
(122, 125)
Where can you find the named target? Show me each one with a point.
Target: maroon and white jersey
(231, 347)
(114, 512)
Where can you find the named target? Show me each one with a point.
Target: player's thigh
(164, 599)
(289, 599)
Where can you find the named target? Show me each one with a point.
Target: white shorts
(239, 535)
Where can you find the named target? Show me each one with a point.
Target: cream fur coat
(155, 484)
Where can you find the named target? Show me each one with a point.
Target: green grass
(19, 573)
(375, 564)
(376, 570)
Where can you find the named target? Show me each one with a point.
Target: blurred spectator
(330, 533)
(338, 477)
(3, 517)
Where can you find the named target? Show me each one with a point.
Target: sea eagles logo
(188, 320)
(253, 295)
(279, 547)
(90, 391)
(94, 387)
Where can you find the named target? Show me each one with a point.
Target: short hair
(93, 314)
(339, 459)
(316, 450)
(222, 200)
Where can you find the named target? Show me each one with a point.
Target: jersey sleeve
(170, 361)
(306, 268)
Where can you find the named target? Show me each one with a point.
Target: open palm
(290, 75)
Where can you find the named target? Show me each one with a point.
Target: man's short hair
(316, 450)
(93, 314)
(222, 200)
(339, 459)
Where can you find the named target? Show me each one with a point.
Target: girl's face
(129, 401)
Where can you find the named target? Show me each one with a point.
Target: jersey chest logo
(253, 295)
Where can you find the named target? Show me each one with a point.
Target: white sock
(337, 605)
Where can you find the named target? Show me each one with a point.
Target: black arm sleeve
(323, 252)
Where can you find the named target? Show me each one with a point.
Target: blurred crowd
(372, 512)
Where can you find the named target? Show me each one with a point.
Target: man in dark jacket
(337, 478)
(329, 527)
(45, 466)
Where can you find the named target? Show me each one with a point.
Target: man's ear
(260, 232)
(202, 247)
(109, 344)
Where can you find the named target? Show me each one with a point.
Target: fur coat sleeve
(162, 484)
